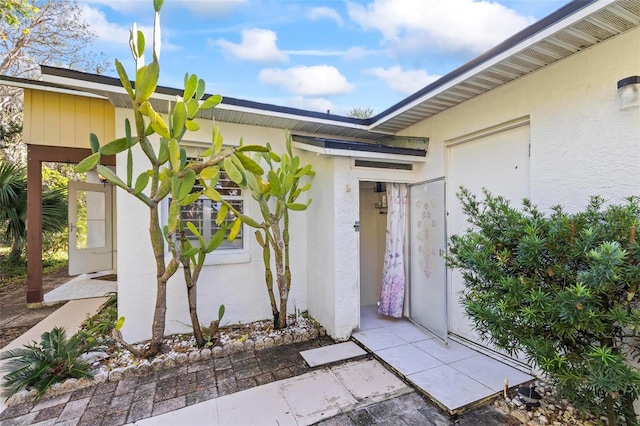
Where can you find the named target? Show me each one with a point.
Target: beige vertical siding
(57, 119)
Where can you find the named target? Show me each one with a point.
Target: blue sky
(317, 55)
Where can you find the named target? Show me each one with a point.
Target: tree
(276, 196)
(170, 176)
(13, 208)
(13, 11)
(562, 288)
(359, 112)
(54, 34)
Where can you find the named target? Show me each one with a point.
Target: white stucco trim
(488, 131)
(374, 156)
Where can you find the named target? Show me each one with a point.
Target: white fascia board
(375, 156)
(42, 88)
(283, 115)
(533, 39)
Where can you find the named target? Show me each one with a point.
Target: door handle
(71, 227)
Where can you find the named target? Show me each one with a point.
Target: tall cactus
(170, 175)
(276, 196)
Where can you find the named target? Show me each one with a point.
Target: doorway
(373, 225)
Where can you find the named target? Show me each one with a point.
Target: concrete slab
(315, 396)
(451, 352)
(205, 414)
(83, 287)
(490, 372)
(378, 338)
(450, 387)
(368, 380)
(262, 405)
(332, 353)
(407, 359)
(410, 332)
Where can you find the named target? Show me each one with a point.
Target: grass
(12, 275)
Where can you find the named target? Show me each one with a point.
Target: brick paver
(136, 398)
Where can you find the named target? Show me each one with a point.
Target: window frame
(219, 256)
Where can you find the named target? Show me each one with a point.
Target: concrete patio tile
(408, 359)
(378, 338)
(262, 405)
(332, 353)
(450, 387)
(491, 372)
(451, 352)
(410, 332)
(368, 379)
(315, 396)
(205, 414)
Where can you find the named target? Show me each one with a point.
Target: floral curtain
(393, 276)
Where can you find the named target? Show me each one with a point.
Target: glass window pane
(91, 220)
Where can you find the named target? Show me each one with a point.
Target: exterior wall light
(629, 92)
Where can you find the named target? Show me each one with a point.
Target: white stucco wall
(239, 286)
(582, 144)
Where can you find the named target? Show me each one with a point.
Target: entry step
(333, 353)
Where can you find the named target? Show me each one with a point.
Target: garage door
(498, 162)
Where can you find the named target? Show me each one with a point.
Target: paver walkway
(135, 398)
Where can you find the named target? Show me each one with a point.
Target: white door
(427, 269)
(500, 163)
(90, 227)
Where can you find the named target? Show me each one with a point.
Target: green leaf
(249, 164)
(193, 229)
(217, 140)
(212, 194)
(297, 206)
(260, 238)
(111, 176)
(191, 252)
(183, 158)
(160, 127)
(232, 171)
(191, 198)
(252, 148)
(114, 147)
(174, 155)
(235, 229)
(146, 84)
(174, 215)
(211, 172)
(200, 89)
(222, 214)
(249, 221)
(141, 183)
(163, 151)
(190, 86)
(179, 119)
(192, 126)
(93, 141)
(306, 170)
(157, 5)
(211, 102)
(124, 79)
(129, 167)
(88, 163)
(276, 188)
(186, 185)
(119, 323)
(140, 44)
(216, 240)
(192, 108)
(220, 312)
(275, 157)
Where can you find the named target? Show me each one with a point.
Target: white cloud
(320, 80)
(123, 6)
(108, 31)
(325, 13)
(312, 52)
(355, 53)
(452, 25)
(257, 45)
(405, 82)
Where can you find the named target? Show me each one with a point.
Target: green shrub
(40, 365)
(562, 289)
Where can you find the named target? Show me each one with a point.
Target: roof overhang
(573, 28)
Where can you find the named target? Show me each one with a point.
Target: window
(203, 213)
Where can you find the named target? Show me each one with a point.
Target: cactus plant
(277, 196)
(170, 175)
